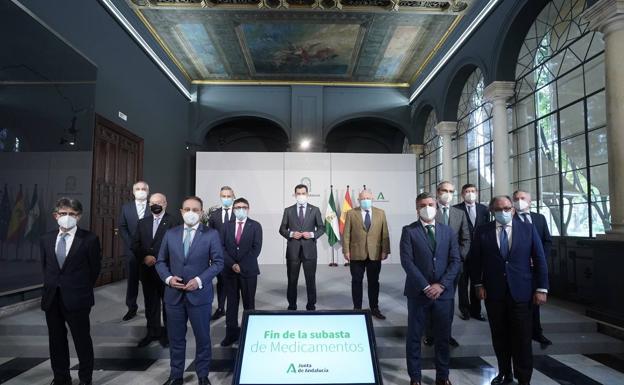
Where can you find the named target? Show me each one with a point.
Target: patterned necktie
(431, 236)
(187, 240)
(239, 232)
(301, 217)
(526, 218)
(472, 214)
(445, 215)
(504, 242)
(141, 211)
(155, 226)
(226, 218)
(61, 249)
(367, 220)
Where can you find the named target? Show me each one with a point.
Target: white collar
(71, 232)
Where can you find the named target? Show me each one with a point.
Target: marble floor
(579, 355)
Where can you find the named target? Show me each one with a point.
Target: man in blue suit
(502, 253)
(242, 244)
(190, 257)
(430, 257)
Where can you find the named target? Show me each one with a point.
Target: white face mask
(67, 222)
(446, 198)
(191, 218)
(427, 213)
(140, 195)
(470, 197)
(302, 199)
(521, 205)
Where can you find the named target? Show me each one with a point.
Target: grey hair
(521, 191)
(73, 204)
(497, 197)
(227, 188)
(140, 181)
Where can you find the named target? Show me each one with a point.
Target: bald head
(365, 194)
(158, 199)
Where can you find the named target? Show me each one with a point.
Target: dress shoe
(204, 381)
(478, 317)
(129, 315)
(146, 341)
(377, 314)
(229, 340)
(310, 307)
(464, 315)
(453, 342)
(57, 382)
(292, 308)
(346, 263)
(542, 340)
(164, 341)
(177, 381)
(217, 314)
(443, 382)
(502, 379)
(415, 383)
(428, 341)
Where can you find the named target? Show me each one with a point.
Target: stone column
(445, 130)
(607, 16)
(498, 93)
(418, 150)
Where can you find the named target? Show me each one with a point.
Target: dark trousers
(221, 292)
(416, 314)
(537, 322)
(78, 321)
(132, 288)
(153, 293)
(372, 269)
(293, 266)
(429, 319)
(472, 304)
(510, 324)
(238, 287)
(177, 317)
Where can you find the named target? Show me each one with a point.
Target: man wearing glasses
(501, 256)
(71, 262)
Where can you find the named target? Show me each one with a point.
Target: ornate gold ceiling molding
(431, 7)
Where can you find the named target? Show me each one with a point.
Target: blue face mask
(241, 214)
(227, 202)
(503, 217)
(366, 204)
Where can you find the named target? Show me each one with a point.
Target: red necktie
(239, 232)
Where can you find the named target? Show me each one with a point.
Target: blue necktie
(504, 243)
(187, 240)
(61, 249)
(367, 220)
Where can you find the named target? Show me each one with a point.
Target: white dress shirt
(472, 211)
(192, 235)
(499, 228)
(229, 212)
(370, 213)
(68, 240)
(140, 208)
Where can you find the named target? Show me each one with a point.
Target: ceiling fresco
(363, 42)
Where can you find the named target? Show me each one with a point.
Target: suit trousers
(153, 293)
(293, 266)
(238, 287)
(78, 321)
(467, 294)
(537, 322)
(132, 288)
(177, 317)
(416, 315)
(372, 269)
(511, 327)
(221, 291)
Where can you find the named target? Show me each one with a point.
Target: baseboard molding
(19, 307)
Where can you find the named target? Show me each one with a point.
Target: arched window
(472, 145)
(432, 155)
(559, 151)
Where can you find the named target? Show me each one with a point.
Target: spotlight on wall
(305, 144)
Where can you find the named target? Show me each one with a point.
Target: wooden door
(117, 165)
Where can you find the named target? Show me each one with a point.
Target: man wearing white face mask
(71, 263)
(522, 204)
(131, 212)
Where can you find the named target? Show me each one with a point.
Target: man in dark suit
(131, 212)
(301, 225)
(242, 245)
(522, 204)
(477, 215)
(218, 220)
(146, 244)
(190, 257)
(501, 254)
(456, 220)
(71, 259)
(431, 259)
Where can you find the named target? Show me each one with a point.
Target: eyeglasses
(63, 213)
(505, 209)
(241, 207)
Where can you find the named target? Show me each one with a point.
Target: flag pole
(332, 263)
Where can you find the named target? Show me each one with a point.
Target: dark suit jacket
(128, 219)
(425, 267)
(246, 253)
(497, 275)
(144, 243)
(313, 222)
(215, 222)
(77, 276)
(539, 221)
(482, 217)
(205, 260)
(459, 223)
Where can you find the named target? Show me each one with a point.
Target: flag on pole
(18, 218)
(331, 220)
(346, 206)
(33, 223)
(5, 214)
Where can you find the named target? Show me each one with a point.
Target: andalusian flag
(331, 221)
(18, 218)
(34, 215)
(346, 206)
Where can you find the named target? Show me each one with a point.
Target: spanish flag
(346, 206)
(18, 218)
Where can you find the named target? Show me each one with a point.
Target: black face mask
(156, 209)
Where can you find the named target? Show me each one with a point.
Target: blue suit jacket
(497, 275)
(246, 253)
(205, 260)
(424, 266)
(539, 221)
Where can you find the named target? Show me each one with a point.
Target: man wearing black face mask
(145, 246)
